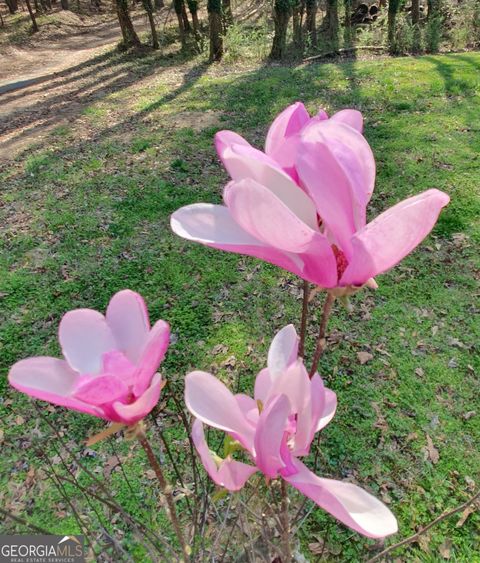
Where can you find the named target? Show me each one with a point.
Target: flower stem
(321, 343)
(167, 492)
(285, 524)
(303, 324)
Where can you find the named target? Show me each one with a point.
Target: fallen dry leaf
(110, 465)
(150, 474)
(432, 451)
(465, 514)
(364, 357)
(445, 548)
(419, 372)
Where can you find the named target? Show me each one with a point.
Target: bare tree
(215, 22)
(148, 7)
(282, 11)
(415, 11)
(298, 10)
(32, 16)
(330, 24)
(179, 7)
(393, 6)
(227, 14)
(12, 5)
(193, 9)
(130, 37)
(311, 21)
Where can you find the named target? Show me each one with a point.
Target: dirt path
(71, 41)
(77, 68)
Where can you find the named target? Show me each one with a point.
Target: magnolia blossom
(302, 203)
(275, 428)
(110, 362)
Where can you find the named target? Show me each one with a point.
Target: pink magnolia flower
(318, 232)
(110, 362)
(275, 428)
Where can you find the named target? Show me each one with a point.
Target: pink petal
(51, 380)
(85, 337)
(214, 226)
(115, 363)
(329, 409)
(262, 214)
(309, 415)
(244, 163)
(392, 235)
(356, 157)
(248, 406)
(283, 135)
(287, 123)
(101, 389)
(127, 317)
(351, 117)
(263, 384)
(295, 384)
(355, 168)
(225, 139)
(270, 434)
(283, 350)
(152, 355)
(133, 412)
(231, 474)
(350, 504)
(209, 400)
(327, 184)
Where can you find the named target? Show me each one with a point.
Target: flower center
(342, 261)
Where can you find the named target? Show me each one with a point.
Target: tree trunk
(214, 8)
(227, 14)
(415, 11)
(186, 23)
(159, 4)
(297, 22)
(12, 6)
(193, 9)
(64, 4)
(130, 37)
(281, 17)
(332, 23)
(311, 21)
(148, 7)
(32, 16)
(178, 5)
(348, 32)
(392, 16)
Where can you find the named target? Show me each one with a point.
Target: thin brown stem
(303, 323)
(415, 536)
(167, 492)
(285, 524)
(19, 520)
(321, 342)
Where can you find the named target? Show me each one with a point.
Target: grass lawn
(86, 213)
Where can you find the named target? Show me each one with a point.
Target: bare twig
(303, 323)
(346, 51)
(19, 520)
(100, 484)
(285, 523)
(321, 343)
(415, 536)
(167, 492)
